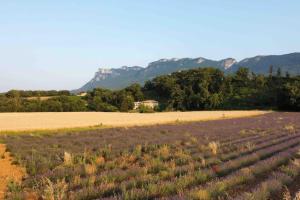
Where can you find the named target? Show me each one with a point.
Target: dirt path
(34, 121)
(8, 171)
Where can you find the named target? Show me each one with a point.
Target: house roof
(147, 101)
(150, 101)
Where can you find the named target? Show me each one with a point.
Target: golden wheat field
(40, 121)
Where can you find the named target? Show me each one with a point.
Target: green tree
(14, 95)
(279, 72)
(72, 103)
(32, 106)
(98, 105)
(290, 96)
(51, 105)
(135, 90)
(177, 98)
(127, 103)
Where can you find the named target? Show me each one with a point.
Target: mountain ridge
(117, 78)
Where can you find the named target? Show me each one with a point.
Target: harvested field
(242, 158)
(37, 121)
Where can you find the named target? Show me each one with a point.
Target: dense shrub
(145, 109)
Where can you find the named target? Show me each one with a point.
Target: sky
(54, 44)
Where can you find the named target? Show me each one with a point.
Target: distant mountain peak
(228, 62)
(200, 60)
(104, 70)
(116, 78)
(135, 68)
(260, 64)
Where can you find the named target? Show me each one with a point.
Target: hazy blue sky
(59, 44)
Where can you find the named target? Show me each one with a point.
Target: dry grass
(213, 147)
(46, 121)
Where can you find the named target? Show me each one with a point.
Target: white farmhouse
(149, 103)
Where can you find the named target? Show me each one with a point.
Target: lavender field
(244, 158)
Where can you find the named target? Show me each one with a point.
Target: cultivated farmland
(241, 158)
(33, 121)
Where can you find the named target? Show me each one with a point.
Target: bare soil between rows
(8, 171)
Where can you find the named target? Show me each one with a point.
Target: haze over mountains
(117, 78)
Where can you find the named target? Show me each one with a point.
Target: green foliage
(135, 90)
(37, 93)
(210, 89)
(52, 106)
(196, 89)
(15, 191)
(104, 107)
(106, 100)
(20, 101)
(189, 90)
(71, 103)
(125, 101)
(145, 109)
(290, 95)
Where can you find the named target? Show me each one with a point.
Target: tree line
(62, 101)
(210, 89)
(16, 103)
(38, 93)
(196, 89)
